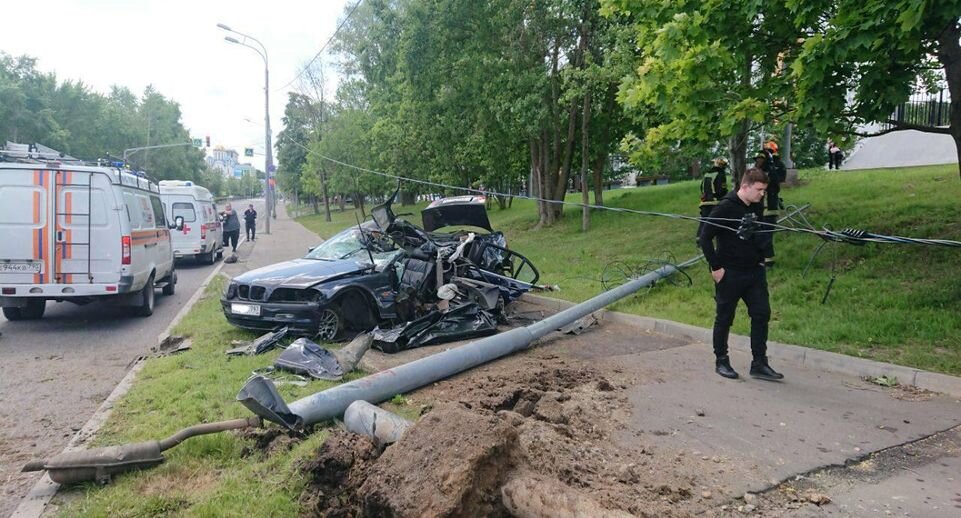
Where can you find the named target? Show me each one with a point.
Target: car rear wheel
(32, 311)
(171, 286)
(145, 309)
(330, 324)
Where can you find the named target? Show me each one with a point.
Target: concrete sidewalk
(287, 240)
(752, 436)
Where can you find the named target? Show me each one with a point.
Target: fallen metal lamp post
(99, 464)
(260, 396)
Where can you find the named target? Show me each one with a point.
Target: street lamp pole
(269, 162)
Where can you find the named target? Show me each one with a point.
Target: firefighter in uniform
(769, 161)
(713, 188)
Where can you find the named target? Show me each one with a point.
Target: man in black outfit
(737, 266)
(250, 221)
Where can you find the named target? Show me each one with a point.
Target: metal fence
(927, 109)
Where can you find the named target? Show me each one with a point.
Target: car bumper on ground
(263, 316)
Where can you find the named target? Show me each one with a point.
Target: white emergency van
(202, 233)
(80, 234)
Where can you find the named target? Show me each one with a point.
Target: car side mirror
(310, 249)
(178, 223)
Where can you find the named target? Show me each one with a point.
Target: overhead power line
(322, 49)
(848, 235)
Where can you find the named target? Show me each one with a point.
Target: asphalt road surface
(55, 372)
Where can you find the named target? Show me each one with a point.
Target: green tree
(708, 71)
(862, 58)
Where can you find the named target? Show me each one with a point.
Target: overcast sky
(176, 46)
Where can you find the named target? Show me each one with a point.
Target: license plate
(19, 267)
(245, 309)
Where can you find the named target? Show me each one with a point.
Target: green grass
(895, 303)
(206, 475)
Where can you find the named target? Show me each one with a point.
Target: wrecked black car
(388, 273)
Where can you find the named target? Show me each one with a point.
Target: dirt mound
(507, 439)
(336, 473)
(452, 462)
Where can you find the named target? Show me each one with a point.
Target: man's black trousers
(751, 287)
(230, 238)
(251, 230)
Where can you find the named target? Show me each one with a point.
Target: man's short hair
(754, 175)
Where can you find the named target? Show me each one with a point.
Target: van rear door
(87, 236)
(26, 246)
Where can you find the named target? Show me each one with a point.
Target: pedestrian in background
(769, 161)
(250, 222)
(834, 155)
(737, 266)
(713, 188)
(231, 227)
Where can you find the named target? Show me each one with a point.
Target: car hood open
(300, 273)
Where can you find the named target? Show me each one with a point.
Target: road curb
(814, 358)
(34, 504)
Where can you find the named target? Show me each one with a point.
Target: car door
(163, 250)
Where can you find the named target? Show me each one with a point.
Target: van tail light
(203, 231)
(125, 250)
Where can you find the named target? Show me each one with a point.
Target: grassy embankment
(895, 303)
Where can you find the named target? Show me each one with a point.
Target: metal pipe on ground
(260, 397)
(99, 464)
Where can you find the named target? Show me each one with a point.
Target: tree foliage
(69, 117)
(862, 58)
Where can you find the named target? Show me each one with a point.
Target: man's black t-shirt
(732, 251)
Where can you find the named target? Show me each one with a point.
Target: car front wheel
(329, 324)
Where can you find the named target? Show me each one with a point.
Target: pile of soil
(533, 436)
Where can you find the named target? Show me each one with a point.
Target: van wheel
(220, 254)
(207, 258)
(330, 324)
(145, 309)
(33, 310)
(171, 286)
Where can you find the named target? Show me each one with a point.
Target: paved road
(55, 372)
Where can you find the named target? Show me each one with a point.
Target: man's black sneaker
(762, 370)
(723, 367)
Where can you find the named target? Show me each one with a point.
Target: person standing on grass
(713, 188)
(231, 227)
(250, 222)
(737, 266)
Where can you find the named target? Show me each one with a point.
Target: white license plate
(19, 267)
(245, 309)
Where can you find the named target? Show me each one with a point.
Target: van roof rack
(34, 153)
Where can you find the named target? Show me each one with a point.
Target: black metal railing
(926, 109)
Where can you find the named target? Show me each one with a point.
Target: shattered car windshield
(353, 244)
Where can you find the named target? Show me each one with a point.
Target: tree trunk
(949, 54)
(313, 201)
(323, 185)
(342, 202)
(739, 139)
(585, 163)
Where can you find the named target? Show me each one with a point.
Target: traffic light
(208, 140)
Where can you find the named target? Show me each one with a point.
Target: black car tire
(171, 286)
(330, 323)
(32, 311)
(147, 299)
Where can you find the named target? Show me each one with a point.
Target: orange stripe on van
(36, 235)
